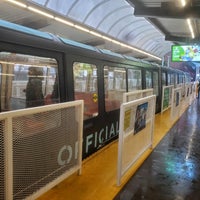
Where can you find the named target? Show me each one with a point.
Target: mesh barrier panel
(136, 131)
(2, 164)
(134, 97)
(135, 145)
(131, 96)
(176, 104)
(44, 147)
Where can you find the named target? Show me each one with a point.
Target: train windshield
(27, 81)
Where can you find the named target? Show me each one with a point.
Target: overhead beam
(167, 12)
(135, 3)
(182, 39)
(95, 42)
(158, 25)
(123, 51)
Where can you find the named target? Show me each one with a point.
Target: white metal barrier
(39, 148)
(135, 132)
(131, 96)
(192, 92)
(188, 94)
(166, 97)
(176, 103)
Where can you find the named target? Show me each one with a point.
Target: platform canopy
(121, 20)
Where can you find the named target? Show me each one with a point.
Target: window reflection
(134, 80)
(15, 78)
(85, 87)
(148, 79)
(114, 86)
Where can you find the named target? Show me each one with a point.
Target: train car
(65, 70)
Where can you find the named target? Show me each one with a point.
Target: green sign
(185, 53)
(166, 98)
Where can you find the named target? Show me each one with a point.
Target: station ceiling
(148, 25)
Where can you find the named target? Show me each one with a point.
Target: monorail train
(70, 71)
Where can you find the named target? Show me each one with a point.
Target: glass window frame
(112, 93)
(151, 79)
(87, 93)
(25, 60)
(138, 85)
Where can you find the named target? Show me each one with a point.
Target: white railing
(40, 147)
(135, 132)
(131, 96)
(176, 103)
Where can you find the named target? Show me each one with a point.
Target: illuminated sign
(185, 53)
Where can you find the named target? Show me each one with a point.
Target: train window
(164, 79)
(155, 83)
(181, 78)
(85, 87)
(172, 79)
(27, 81)
(115, 86)
(134, 80)
(168, 79)
(148, 79)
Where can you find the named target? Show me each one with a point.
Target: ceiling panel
(113, 18)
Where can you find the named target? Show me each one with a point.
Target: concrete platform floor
(172, 171)
(99, 172)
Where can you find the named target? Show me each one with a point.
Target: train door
(27, 80)
(100, 85)
(84, 85)
(152, 81)
(114, 86)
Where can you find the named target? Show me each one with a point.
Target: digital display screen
(185, 53)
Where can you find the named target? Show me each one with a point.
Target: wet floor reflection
(172, 171)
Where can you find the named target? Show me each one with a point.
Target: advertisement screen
(185, 53)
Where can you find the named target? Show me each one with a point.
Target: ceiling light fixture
(183, 3)
(95, 33)
(190, 27)
(64, 21)
(80, 27)
(40, 12)
(17, 3)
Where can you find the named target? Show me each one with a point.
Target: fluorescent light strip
(190, 27)
(116, 42)
(17, 3)
(183, 3)
(106, 38)
(64, 21)
(81, 28)
(95, 33)
(40, 12)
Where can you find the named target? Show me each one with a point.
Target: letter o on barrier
(69, 150)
